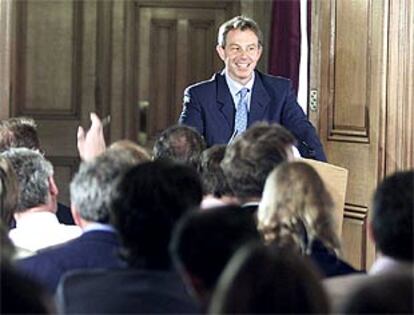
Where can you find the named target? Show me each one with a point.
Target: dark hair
(179, 143)
(9, 191)
(392, 216)
(203, 242)
(17, 132)
(147, 202)
(252, 156)
(266, 279)
(212, 176)
(240, 23)
(389, 293)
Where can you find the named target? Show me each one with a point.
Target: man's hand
(91, 144)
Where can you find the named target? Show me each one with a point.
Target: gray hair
(90, 189)
(33, 172)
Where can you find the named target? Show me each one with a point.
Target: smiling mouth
(243, 65)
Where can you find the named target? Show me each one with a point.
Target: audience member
(98, 246)
(18, 132)
(388, 293)
(138, 152)
(9, 191)
(297, 211)
(92, 142)
(204, 242)
(35, 214)
(391, 228)
(180, 144)
(265, 279)
(18, 296)
(252, 156)
(21, 132)
(148, 201)
(216, 190)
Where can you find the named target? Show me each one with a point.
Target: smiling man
(234, 99)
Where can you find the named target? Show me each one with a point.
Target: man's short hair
(204, 241)
(181, 144)
(212, 176)
(253, 155)
(33, 172)
(90, 189)
(147, 202)
(392, 216)
(9, 191)
(17, 132)
(241, 23)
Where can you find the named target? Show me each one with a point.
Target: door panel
(177, 48)
(349, 72)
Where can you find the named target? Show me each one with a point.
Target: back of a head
(91, 187)
(148, 201)
(212, 175)
(181, 144)
(392, 216)
(18, 132)
(33, 172)
(138, 152)
(204, 241)
(253, 155)
(266, 279)
(297, 209)
(9, 191)
(390, 293)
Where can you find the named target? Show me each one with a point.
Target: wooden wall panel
(399, 141)
(350, 66)
(350, 97)
(163, 66)
(48, 78)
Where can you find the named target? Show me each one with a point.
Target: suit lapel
(259, 101)
(224, 99)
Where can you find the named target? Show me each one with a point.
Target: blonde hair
(9, 190)
(296, 209)
(139, 154)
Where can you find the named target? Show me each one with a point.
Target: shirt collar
(235, 86)
(95, 226)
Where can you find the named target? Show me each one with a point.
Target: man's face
(241, 54)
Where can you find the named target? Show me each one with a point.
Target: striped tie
(240, 123)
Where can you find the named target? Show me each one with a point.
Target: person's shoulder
(206, 84)
(273, 79)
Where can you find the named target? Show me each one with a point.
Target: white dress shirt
(39, 230)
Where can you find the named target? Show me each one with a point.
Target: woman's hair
(9, 191)
(296, 209)
(268, 279)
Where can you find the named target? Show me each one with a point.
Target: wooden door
(53, 75)
(348, 70)
(177, 42)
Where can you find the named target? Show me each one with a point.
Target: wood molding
(399, 140)
(5, 49)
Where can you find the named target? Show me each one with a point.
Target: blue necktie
(240, 123)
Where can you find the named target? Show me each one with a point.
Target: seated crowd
(242, 228)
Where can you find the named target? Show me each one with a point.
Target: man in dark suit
(149, 200)
(98, 245)
(233, 100)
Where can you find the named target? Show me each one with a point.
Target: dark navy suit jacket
(93, 249)
(124, 291)
(209, 108)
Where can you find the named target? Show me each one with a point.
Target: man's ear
(221, 52)
(53, 189)
(75, 214)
